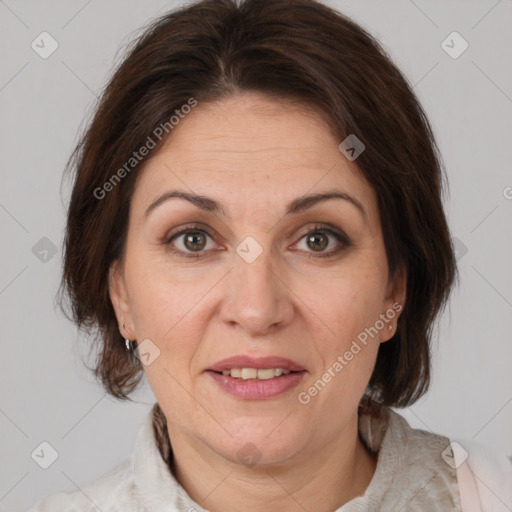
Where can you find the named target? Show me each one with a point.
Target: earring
(129, 345)
(390, 327)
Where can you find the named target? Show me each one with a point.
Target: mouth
(260, 378)
(255, 373)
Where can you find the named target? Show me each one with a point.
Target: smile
(254, 373)
(251, 378)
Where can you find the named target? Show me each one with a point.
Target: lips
(288, 374)
(243, 361)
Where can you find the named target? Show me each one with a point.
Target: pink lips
(256, 389)
(242, 361)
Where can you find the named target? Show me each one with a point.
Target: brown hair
(296, 49)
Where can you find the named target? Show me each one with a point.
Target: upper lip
(244, 361)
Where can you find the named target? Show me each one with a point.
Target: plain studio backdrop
(47, 93)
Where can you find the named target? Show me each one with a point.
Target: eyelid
(321, 227)
(326, 227)
(194, 226)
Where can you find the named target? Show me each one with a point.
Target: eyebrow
(296, 206)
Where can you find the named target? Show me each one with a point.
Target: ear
(394, 303)
(120, 300)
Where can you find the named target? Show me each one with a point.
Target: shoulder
(106, 493)
(461, 472)
(492, 473)
(481, 473)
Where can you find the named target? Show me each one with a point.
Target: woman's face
(248, 282)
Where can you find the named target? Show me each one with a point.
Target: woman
(256, 226)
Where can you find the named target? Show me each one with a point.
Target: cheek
(160, 294)
(168, 311)
(349, 348)
(348, 309)
(348, 304)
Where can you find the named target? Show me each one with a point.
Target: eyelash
(319, 228)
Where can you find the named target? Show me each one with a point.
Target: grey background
(46, 393)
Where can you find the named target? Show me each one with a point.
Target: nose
(257, 298)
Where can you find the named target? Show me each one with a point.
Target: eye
(188, 241)
(318, 239)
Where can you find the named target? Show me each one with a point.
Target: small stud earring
(390, 327)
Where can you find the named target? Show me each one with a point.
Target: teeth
(249, 373)
(265, 374)
(253, 373)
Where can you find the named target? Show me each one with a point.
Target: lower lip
(257, 389)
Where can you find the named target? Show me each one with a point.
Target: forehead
(251, 151)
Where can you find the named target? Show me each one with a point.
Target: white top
(415, 472)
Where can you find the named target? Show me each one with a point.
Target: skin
(254, 155)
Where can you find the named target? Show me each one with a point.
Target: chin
(261, 442)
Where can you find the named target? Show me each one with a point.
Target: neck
(323, 479)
